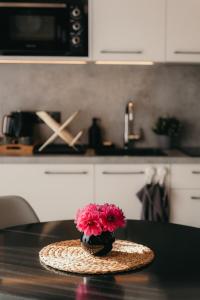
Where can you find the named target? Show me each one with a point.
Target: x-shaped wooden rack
(59, 130)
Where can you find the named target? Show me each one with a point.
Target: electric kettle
(19, 124)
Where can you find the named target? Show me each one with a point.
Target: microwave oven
(50, 28)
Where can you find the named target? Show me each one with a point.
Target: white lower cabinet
(57, 191)
(185, 176)
(54, 191)
(185, 206)
(119, 184)
(185, 194)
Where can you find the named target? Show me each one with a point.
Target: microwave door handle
(32, 5)
(59, 32)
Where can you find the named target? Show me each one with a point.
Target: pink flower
(93, 219)
(88, 208)
(88, 220)
(112, 217)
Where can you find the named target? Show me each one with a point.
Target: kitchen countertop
(175, 157)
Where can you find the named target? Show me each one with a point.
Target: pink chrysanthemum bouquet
(95, 219)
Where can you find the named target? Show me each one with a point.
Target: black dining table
(174, 273)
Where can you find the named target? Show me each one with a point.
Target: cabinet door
(185, 207)
(54, 191)
(119, 184)
(185, 176)
(183, 27)
(128, 30)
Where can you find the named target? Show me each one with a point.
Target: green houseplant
(167, 129)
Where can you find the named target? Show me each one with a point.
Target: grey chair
(15, 210)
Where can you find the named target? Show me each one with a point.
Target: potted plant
(97, 224)
(167, 128)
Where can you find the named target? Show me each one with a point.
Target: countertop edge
(66, 159)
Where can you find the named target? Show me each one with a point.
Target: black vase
(99, 245)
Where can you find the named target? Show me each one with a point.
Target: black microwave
(50, 28)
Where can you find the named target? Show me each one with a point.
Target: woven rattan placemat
(69, 256)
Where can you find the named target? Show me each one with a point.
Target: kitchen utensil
(59, 130)
(19, 124)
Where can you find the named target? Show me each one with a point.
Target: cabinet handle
(33, 5)
(196, 172)
(187, 52)
(121, 51)
(123, 173)
(65, 173)
(195, 198)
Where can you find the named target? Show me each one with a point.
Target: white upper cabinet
(131, 30)
(183, 30)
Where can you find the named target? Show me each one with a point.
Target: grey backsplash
(103, 91)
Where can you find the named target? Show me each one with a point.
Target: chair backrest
(15, 210)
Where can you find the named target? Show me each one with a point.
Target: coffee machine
(18, 127)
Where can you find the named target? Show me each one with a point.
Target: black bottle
(94, 134)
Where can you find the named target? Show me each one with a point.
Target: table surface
(174, 274)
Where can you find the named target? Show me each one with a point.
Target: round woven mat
(69, 256)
